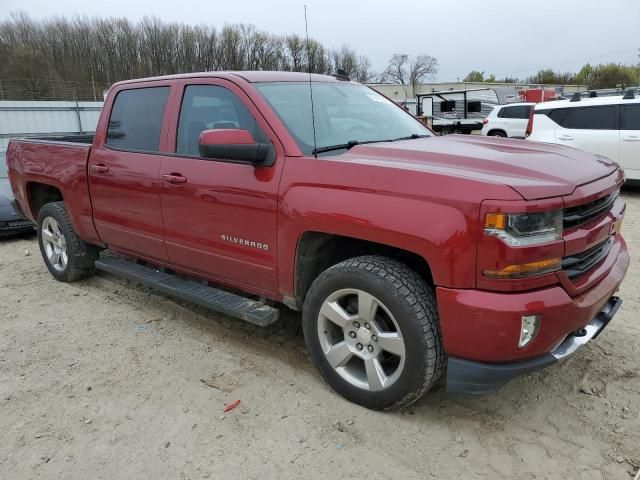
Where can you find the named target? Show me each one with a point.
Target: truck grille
(574, 216)
(576, 265)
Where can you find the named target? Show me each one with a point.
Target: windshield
(345, 113)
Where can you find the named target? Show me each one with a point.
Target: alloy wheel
(361, 339)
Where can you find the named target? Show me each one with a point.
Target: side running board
(191, 291)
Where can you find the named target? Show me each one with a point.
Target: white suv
(609, 126)
(507, 120)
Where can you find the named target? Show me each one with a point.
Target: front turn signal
(525, 269)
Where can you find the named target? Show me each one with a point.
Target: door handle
(631, 138)
(174, 178)
(99, 168)
(565, 137)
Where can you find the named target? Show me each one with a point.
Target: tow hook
(581, 332)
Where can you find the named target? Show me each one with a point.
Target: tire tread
(81, 255)
(420, 297)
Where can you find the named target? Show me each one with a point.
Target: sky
(506, 38)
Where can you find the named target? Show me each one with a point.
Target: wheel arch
(316, 251)
(39, 194)
(495, 130)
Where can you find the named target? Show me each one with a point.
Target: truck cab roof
(248, 76)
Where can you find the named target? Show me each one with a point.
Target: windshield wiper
(342, 146)
(353, 143)
(410, 137)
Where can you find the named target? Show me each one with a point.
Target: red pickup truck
(406, 252)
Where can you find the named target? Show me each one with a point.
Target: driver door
(220, 217)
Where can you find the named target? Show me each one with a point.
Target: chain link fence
(42, 89)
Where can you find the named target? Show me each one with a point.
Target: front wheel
(66, 256)
(371, 327)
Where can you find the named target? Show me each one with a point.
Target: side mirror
(235, 144)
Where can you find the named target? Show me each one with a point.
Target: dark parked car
(11, 223)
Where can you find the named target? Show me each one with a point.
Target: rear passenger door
(630, 140)
(124, 167)
(593, 129)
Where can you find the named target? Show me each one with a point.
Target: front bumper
(484, 326)
(478, 378)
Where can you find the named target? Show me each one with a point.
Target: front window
(210, 107)
(344, 114)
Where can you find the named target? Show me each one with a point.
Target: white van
(609, 126)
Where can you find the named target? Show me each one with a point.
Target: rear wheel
(497, 133)
(371, 327)
(66, 256)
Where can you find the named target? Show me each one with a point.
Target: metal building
(35, 118)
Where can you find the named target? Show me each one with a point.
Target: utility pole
(93, 86)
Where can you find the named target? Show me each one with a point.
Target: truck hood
(534, 170)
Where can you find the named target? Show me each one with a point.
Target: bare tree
(405, 70)
(396, 71)
(421, 68)
(295, 54)
(100, 51)
(317, 57)
(363, 73)
(358, 67)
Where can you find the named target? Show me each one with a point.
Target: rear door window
(136, 119)
(516, 111)
(560, 116)
(592, 118)
(630, 117)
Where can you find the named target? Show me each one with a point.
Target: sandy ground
(100, 379)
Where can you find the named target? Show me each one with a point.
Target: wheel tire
(497, 133)
(411, 304)
(80, 255)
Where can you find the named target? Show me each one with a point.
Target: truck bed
(59, 162)
(86, 139)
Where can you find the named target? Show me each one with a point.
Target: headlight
(523, 229)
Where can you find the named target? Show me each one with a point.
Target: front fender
(345, 199)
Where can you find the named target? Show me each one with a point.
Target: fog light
(528, 330)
